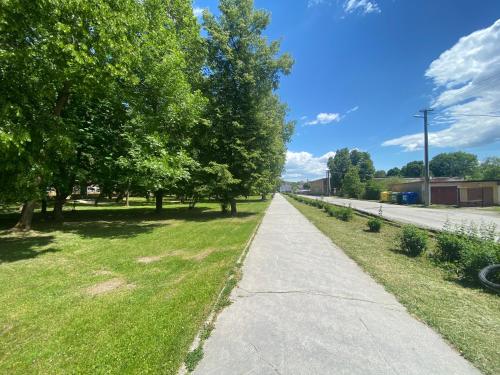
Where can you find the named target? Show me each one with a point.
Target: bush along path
(434, 275)
(302, 306)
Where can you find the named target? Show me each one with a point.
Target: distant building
(286, 187)
(319, 187)
(457, 192)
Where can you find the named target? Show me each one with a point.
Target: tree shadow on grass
(16, 248)
(120, 222)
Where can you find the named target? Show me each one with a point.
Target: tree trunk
(223, 207)
(159, 200)
(59, 204)
(24, 223)
(233, 207)
(127, 196)
(44, 206)
(263, 197)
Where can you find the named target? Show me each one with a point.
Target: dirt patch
(108, 286)
(202, 255)
(147, 260)
(102, 273)
(6, 328)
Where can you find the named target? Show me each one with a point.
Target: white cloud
(353, 109)
(325, 118)
(313, 3)
(363, 6)
(303, 165)
(467, 80)
(198, 12)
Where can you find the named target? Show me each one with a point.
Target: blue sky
(363, 68)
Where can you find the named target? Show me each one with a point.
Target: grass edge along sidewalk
(195, 354)
(166, 271)
(468, 317)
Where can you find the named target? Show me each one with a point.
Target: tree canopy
(453, 164)
(128, 95)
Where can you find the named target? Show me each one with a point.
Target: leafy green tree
(413, 169)
(338, 166)
(243, 70)
(52, 54)
(364, 163)
(380, 174)
(352, 185)
(490, 168)
(394, 172)
(453, 164)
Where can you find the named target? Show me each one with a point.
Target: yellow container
(385, 196)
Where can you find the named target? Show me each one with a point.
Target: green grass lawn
(114, 289)
(467, 316)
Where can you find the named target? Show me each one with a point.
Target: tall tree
(243, 70)
(413, 169)
(453, 164)
(364, 162)
(352, 185)
(394, 172)
(338, 166)
(54, 52)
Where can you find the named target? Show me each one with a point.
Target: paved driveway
(304, 307)
(433, 218)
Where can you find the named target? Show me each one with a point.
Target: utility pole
(427, 188)
(328, 182)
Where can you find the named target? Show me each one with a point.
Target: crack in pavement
(315, 293)
(372, 339)
(263, 359)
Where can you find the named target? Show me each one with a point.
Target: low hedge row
(467, 248)
(342, 213)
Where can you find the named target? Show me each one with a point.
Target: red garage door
(444, 195)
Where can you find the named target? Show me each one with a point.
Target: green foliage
(476, 255)
(248, 130)
(344, 160)
(341, 213)
(412, 240)
(450, 246)
(470, 247)
(374, 224)
(338, 166)
(363, 161)
(352, 185)
(453, 164)
(380, 174)
(394, 172)
(413, 169)
(373, 189)
(490, 169)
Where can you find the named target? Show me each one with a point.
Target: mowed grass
(115, 289)
(467, 316)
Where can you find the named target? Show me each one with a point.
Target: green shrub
(345, 213)
(450, 246)
(373, 189)
(331, 210)
(412, 241)
(374, 224)
(477, 255)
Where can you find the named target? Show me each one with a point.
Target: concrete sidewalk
(304, 307)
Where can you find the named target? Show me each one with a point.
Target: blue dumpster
(409, 197)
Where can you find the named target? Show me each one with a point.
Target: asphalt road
(433, 218)
(304, 307)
